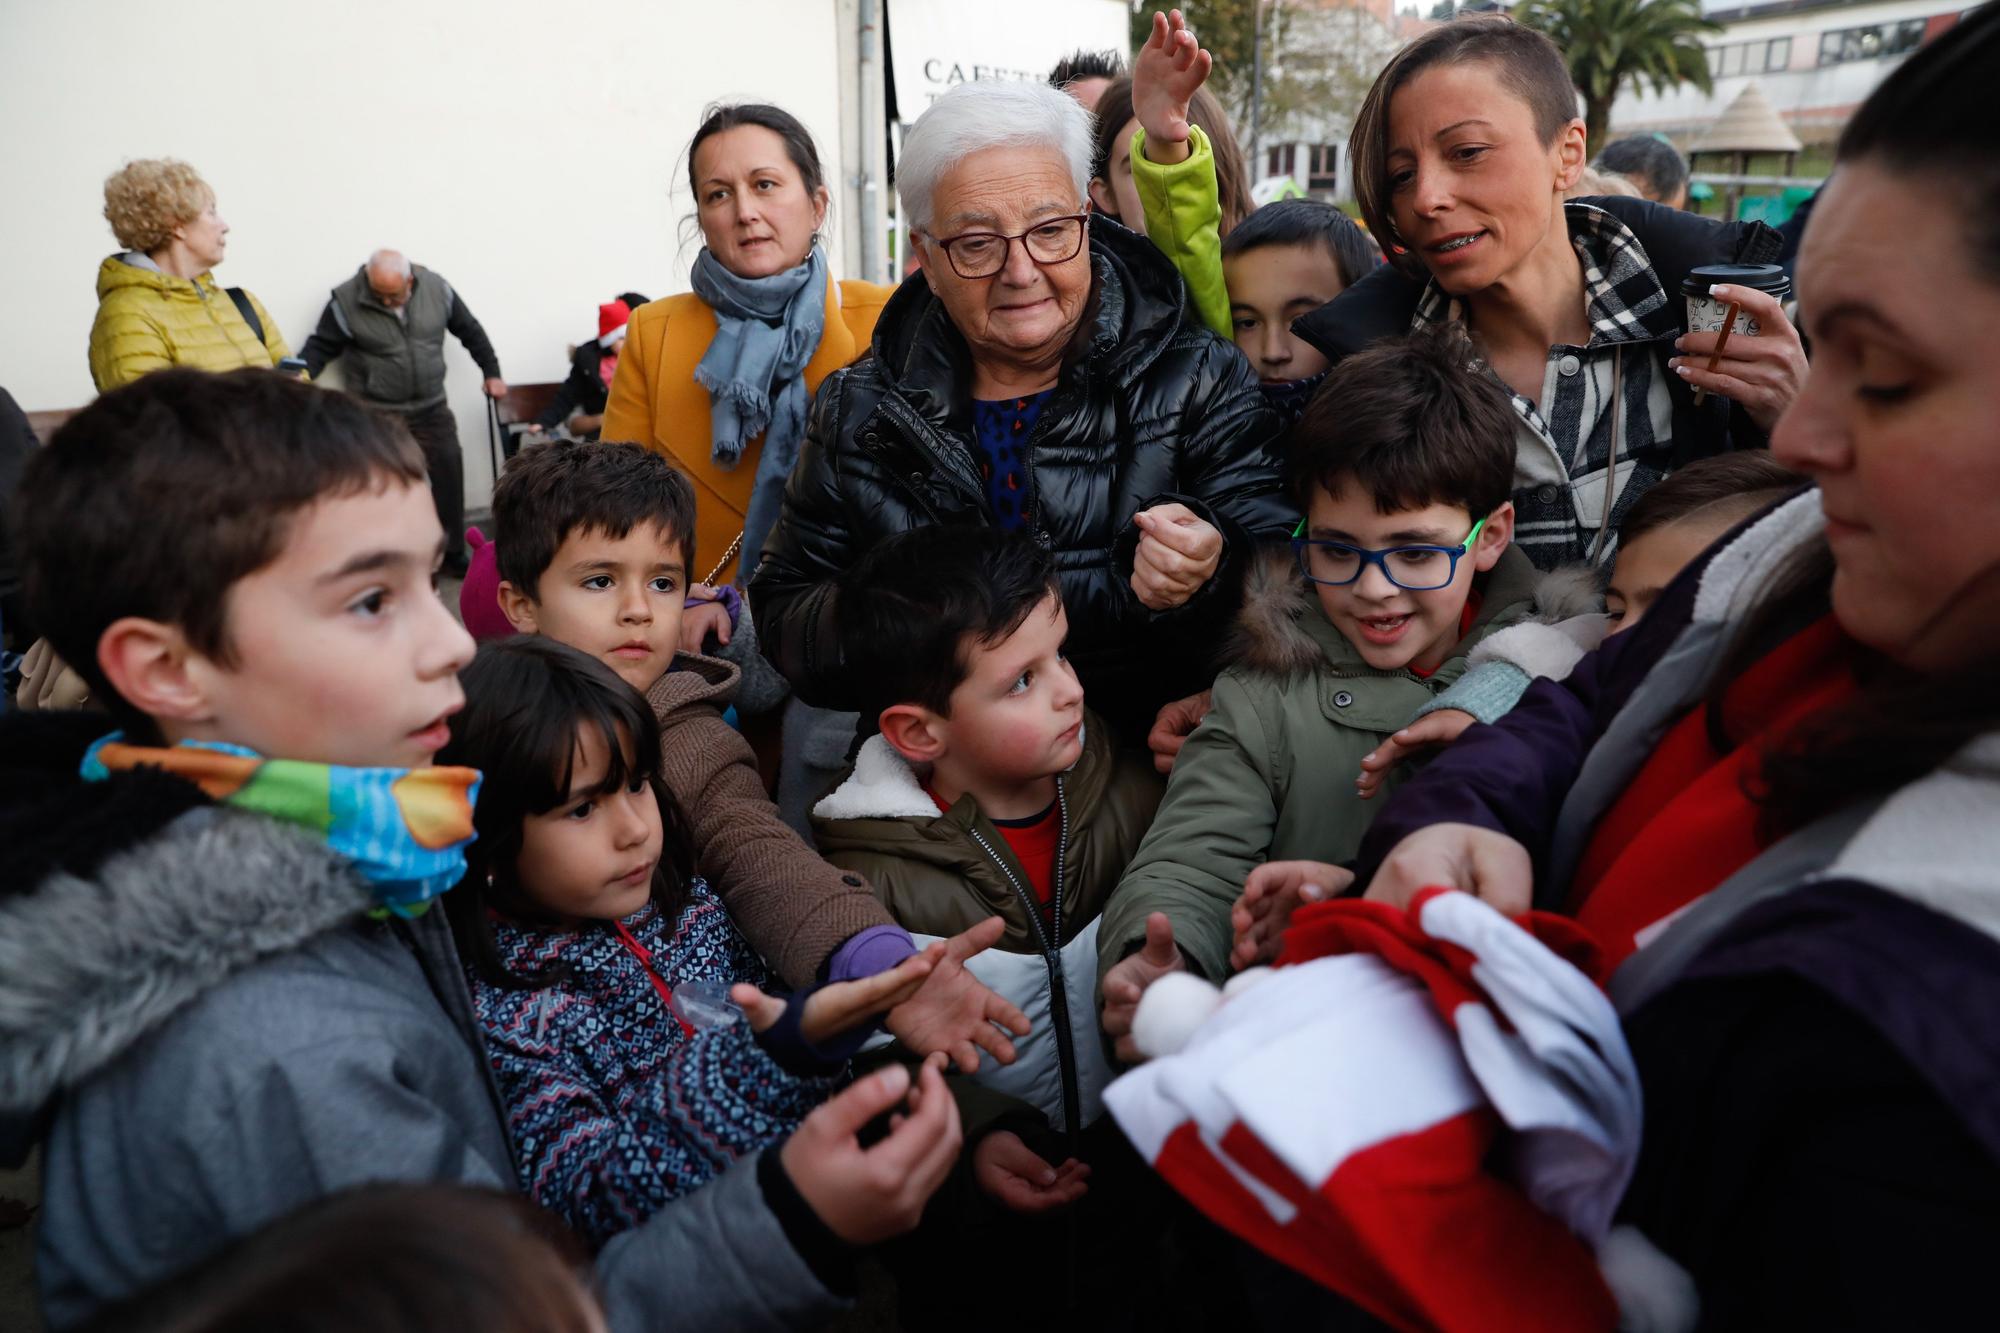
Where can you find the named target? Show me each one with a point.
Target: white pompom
(1654, 1294)
(1169, 1012)
(1244, 980)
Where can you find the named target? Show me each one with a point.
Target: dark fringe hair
(527, 699)
(909, 606)
(160, 496)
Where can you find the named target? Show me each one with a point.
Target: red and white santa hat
(612, 317)
(1430, 1111)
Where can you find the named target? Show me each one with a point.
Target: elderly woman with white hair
(1042, 373)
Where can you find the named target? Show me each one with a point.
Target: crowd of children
(328, 935)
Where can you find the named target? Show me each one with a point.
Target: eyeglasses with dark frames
(1411, 568)
(981, 254)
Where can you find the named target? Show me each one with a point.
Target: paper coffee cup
(1705, 313)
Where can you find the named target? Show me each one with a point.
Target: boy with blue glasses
(1402, 463)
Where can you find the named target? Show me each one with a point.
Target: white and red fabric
(1430, 1111)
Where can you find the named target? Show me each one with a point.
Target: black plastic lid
(1764, 277)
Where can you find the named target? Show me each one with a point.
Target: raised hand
(1165, 74)
(1489, 865)
(1178, 552)
(865, 1195)
(1271, 893)
(1127, 980)
(1016, 1175)
(1439, 728)
(953, 1013)
(835, 1008)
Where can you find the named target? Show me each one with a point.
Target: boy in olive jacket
(989, 790)
(1403, 462)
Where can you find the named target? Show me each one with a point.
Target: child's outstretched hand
(865, 1195)
(1016, 1175)
(1126, 983)
(954, 1013)
(837, 1007)
(1271, 893)
(1165, 74)
(1439, 728)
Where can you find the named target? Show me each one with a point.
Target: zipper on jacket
(914, 432)
(1035, 528)
(1050, 941)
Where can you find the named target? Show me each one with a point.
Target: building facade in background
(1814, 60)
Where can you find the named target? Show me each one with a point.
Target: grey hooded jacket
(226, 1039)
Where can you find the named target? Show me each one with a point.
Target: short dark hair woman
(1462, 153)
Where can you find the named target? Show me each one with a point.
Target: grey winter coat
(227, 1039)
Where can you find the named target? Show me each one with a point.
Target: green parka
(1269, 774)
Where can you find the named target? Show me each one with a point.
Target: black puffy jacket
(1150, 408)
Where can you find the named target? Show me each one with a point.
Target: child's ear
(518, 607)
(154, 668)
(1103, 200)
(1495, 537)
(914, 732)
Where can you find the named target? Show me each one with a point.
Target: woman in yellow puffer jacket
(157, 303)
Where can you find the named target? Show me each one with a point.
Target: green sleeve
(1213, 828)
(1184, 218)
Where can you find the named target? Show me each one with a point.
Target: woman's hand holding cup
(1762, 371)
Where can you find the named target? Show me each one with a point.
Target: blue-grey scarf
(766, 330)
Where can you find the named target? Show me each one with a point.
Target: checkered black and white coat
(1569, 491)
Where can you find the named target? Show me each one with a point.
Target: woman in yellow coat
(157, 303)
(719, 379)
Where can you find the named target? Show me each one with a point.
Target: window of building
(1325, 171)
(1282, 160)
(1732, 60)
(1779, 54)
(1871, 43)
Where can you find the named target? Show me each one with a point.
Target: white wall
(529, 150)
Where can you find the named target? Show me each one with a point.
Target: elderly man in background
(1654, 165)
(393, 315)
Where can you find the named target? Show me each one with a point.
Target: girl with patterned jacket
(599, 960)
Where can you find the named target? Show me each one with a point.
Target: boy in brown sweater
(595, 545)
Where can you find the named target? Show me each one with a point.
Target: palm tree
(1650, 43)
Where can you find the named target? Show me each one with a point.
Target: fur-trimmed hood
(122, 902)
(1282, 631)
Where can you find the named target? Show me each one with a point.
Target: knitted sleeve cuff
(1487, 691)
(785, 1041)
(868, 952)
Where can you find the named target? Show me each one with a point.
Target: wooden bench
(44, 423)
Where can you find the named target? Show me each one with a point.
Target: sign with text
(938, 44)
